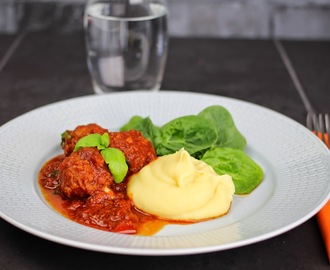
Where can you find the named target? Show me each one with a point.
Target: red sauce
(80, 186)
(143, 224)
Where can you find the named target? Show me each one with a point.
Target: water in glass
(126, 45)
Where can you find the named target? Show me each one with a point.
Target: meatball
(70, 138)
(108, 210)
(82, 173)
(136, 148)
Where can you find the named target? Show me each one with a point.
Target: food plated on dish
(286, 151)
(143, 177)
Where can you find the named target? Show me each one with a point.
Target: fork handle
(323, 219)
(323, 216)
(325, 136)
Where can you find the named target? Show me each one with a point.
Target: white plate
(295, 187)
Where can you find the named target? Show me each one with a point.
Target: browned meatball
(136, 148)
(70, 138)
(108, 210)
(83, 172)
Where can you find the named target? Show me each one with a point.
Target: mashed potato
(180, 187)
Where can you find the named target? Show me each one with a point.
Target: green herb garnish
(93, 140)
(65, 136)
(116, 162)
(113, 157)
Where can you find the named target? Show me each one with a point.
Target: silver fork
(320, 123)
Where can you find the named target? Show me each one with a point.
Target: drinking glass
(126, 42)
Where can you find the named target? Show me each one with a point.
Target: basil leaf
(93, 140)
(64, 137)
(105, 141)
(116, 162)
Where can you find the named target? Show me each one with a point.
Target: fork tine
(309, 121)
(320, 125)
(315, 121)
(327, 128)
(321, 128)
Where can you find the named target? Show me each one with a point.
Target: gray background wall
(290, 19)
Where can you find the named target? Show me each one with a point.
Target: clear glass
(126, 44)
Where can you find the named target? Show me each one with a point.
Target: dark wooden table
(40, 68)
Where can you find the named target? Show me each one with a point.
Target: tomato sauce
(80, 186)
(143, 224)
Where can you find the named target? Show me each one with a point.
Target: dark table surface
(40, 68)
